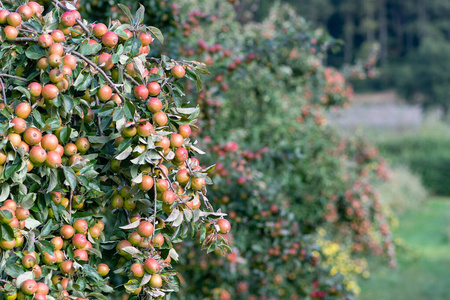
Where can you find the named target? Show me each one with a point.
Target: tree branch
(127, 216)
(111, 83)
(131, 78)
(154, 207)
(24, 39)
(3, 90)
(98, 117)
(26, 30)
(171, 187)
(14, 77)
(29, 28)
(70, 203)
(79, 21)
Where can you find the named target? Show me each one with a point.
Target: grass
(423, 271)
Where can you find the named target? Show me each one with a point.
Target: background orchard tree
(97, 161)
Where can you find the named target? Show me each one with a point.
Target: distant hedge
(427, 156)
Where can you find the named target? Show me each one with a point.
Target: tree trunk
(349, 34)
(383, 32)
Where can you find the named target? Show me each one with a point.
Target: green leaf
(133, 46)
(201, 68)
(90, 271)
(105, 111)
(68, 103)
(140, 14)
(192, 75)
(173, 254)
(35, 52)
(10, 169)
(7, 232)
(132, 285)
(95, 251)
(28, 201)
(126, 11)
(5, 192)
(31, 223)
(64, 134)
(131, 250)
(157, 33)
(71, 177)
(47, 228)
(45, 246)
(124, 154)
(185, 110)
(53, 180)
(87, 49)
(84, 83)
(22, 277)
(14, 270)
(38, 117)
(122, 34)
(129, 110)
(23, 91)
(177, 98)
(124, 145)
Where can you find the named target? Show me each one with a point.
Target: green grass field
(423, 271)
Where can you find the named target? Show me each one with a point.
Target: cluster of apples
(174, 181)
(42, 148)
(13, 216)
(13, 20)
(71, 236)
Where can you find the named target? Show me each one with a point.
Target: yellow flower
(321, 231)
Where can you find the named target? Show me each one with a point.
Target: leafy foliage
(89, 162)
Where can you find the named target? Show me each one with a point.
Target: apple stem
(98, 118)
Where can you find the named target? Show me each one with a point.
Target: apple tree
(98, 175)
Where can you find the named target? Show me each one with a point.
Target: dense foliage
(291, 176)
(97, 166)
(301, 198)
(426, 155)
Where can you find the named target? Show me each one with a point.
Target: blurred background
(328, 121)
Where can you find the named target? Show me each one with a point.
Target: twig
(171, 187)
(127, 216)
(70, 203)
(26, 30)
(156, 60)
(12, 76)
(206, 202)
(166, 80)
(24, 39)
(154, 207)
(111, 83)
(98, 117)
(79, 21)
(3, 90)
(131, 78)
(29, 28)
